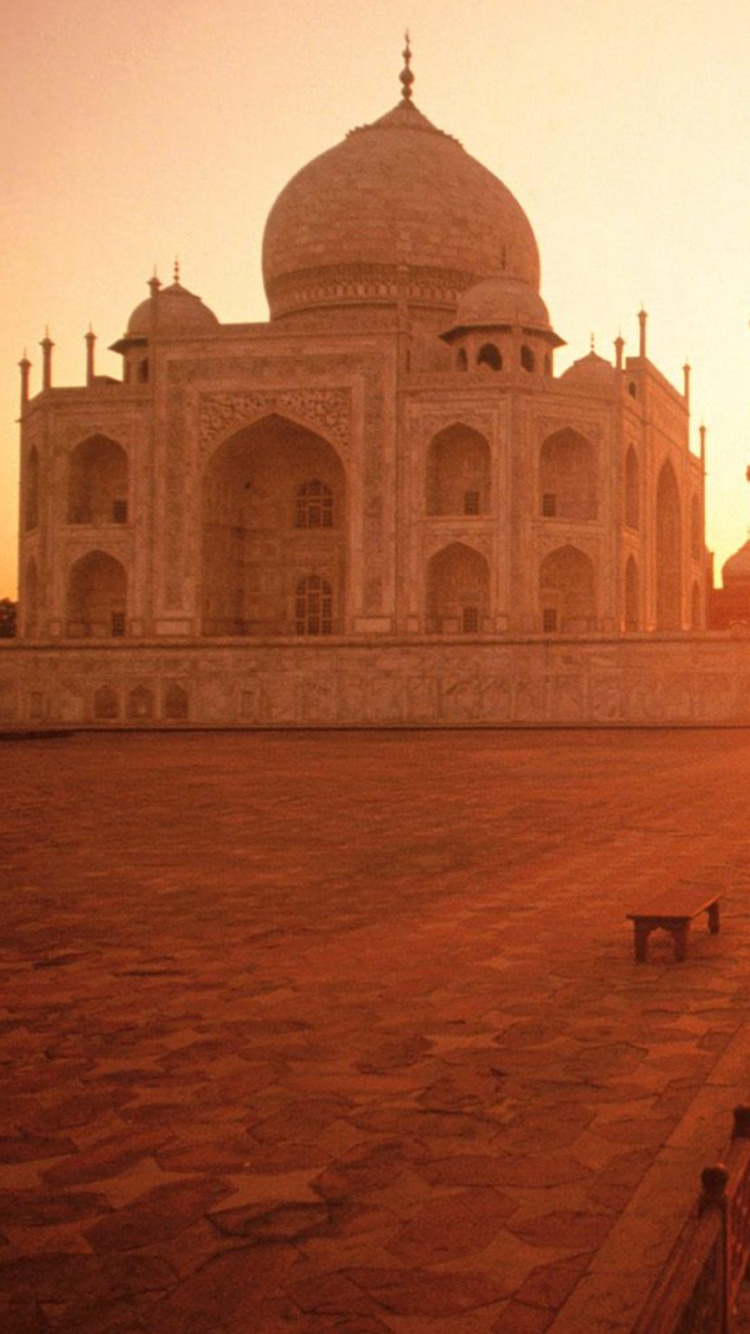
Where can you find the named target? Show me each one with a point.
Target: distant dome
(590, 368)
(178, 312)
(736, 570)
(397, 207)
(501, 301)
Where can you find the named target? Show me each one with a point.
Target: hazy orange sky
(132, 133)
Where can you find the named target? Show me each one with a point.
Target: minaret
(90, 338)
(25, 366)
(619, 346)
(686, 393)
(46, 345)
(642, 317)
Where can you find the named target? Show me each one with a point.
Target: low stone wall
(634, 680)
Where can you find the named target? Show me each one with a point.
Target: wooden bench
(674, 912)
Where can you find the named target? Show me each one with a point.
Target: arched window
(567, 476)
(632, 490)
(31, 515)
(528, 360)
(143, 371)
(458, 472)
(489, 355)
(313, 606)
(462, 361)
(696, 620)
(314, 505)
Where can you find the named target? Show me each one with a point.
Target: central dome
(398, 210)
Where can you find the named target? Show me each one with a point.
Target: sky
(132, 134)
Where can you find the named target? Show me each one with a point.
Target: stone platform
(343, 1032)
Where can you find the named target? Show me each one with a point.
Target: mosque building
(382, 505)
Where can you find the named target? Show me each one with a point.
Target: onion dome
(398, 210)
(736, 570)
(503, 303)
(590, 370)
(170, 312)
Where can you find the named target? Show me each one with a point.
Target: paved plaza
(343, 1032)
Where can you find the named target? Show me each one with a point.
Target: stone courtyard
(343, 1032)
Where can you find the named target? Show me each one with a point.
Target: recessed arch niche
(98, 482)
(458, 591)
(96, 602)
(458, 472)
(567, 591)
(567, 476)
(274, 514)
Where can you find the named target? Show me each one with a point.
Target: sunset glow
(132, 135)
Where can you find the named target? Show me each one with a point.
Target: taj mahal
(382, 506)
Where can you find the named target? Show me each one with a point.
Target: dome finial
(406, 76)
(176, 271)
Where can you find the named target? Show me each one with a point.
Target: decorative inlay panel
(327, 410)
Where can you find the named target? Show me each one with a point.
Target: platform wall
(598, 681)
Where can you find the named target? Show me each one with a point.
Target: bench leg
(642, 933)
(713, 918)
(680, 937)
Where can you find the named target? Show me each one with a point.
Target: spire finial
(406, 76)
(592, 343)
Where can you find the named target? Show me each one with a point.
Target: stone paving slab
(343, 1032)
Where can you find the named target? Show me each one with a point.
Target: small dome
(178, 313)
(397, 207)
(590, 368)
(501, 301)
(736, 570)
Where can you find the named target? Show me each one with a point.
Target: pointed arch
(568, 476)
(567, 591)
(668, 551)
(489, 355)
(98, 482)
(97, 595)
(274, 512)
(458, 591)
(458, 472)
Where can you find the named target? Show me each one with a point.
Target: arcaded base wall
(641, 681)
